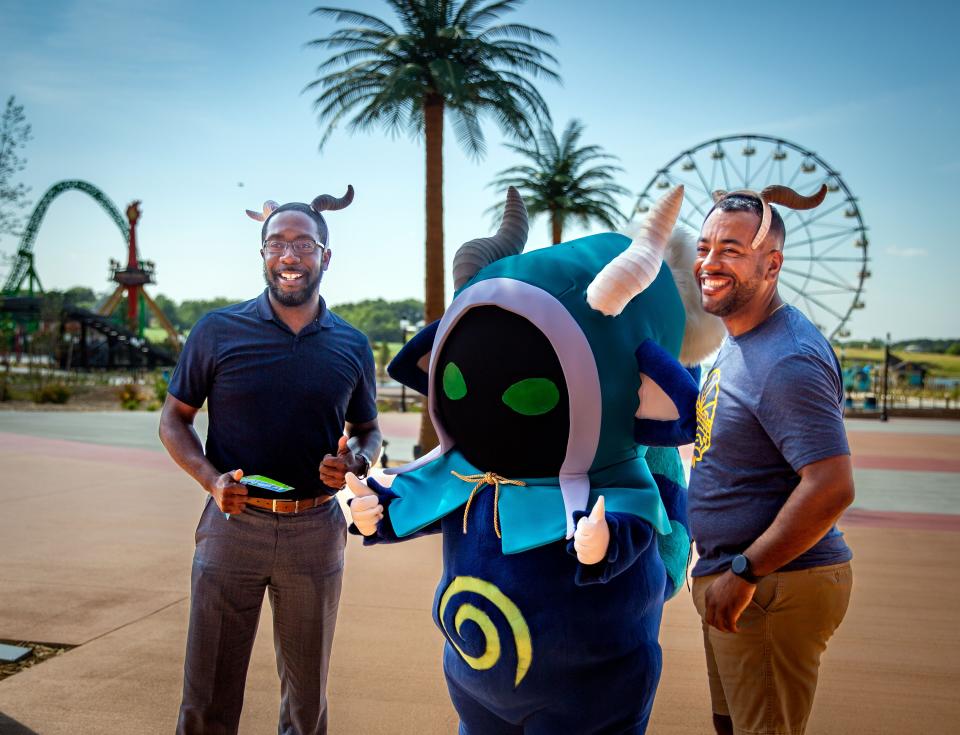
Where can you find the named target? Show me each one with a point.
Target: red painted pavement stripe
(64, 449)
(916, 464)
(860, 517)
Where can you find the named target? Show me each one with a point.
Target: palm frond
(558, 180)
(345, 15)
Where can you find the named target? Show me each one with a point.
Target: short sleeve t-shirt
(277, 401)
(771, 404)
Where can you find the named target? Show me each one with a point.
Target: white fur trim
(704, 332)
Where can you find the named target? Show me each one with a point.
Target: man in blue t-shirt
(770, 476)
(290, 392)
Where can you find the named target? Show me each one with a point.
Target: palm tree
(558, 184)
(445, 55)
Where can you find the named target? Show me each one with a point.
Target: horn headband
(775, 194)
(322, 203)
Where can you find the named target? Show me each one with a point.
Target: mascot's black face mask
(501, 395)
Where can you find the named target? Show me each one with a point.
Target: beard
(739, 294)
(293, 298)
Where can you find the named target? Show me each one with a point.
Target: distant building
(908, 374)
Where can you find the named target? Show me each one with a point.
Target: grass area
(157, 335)
(947, 366)
(378, 355)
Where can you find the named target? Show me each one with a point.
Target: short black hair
(744, 203)
(305, 209)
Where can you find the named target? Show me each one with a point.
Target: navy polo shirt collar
(324, 319)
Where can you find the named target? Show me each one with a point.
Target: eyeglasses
(299, 247)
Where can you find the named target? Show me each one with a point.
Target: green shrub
(160, 385)
(52, 393)
(131, 396)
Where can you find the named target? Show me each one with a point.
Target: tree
(14, 136)
(170, 310)
(559, 183)
(380, 319)
(446, 56)
(190, 311)
(81, 297)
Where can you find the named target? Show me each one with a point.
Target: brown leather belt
(288, 506)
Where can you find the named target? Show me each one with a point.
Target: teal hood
(596, 352)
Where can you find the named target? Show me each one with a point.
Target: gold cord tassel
(487, 478)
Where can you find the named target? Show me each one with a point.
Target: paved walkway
(96, 537)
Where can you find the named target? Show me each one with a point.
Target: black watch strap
(366, 464)
(742, 567)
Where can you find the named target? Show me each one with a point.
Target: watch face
(739, 565)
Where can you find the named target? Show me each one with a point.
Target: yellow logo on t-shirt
(706, 411)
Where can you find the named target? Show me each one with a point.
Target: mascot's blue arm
(385, 533)
(679, 385)
(404, 368)
(630, 536)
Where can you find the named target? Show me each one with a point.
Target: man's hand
(725, 600)
(230, 495)
(365, 508)
(333, 469)
(592, 536)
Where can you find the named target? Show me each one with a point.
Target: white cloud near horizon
(898, 252)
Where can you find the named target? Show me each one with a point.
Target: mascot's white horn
(635, 268)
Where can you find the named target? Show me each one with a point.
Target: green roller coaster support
(23, 266)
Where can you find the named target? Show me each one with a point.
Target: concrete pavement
(97, 538)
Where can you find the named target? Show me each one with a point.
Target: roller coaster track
(22, 264)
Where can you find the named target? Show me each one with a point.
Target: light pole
(847, 395)
(886, 366)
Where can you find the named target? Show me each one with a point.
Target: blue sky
(176, 103)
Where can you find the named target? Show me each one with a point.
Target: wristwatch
(742, 568)
(366, 463)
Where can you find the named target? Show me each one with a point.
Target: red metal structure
(132, 279)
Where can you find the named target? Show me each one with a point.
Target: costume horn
(509, 240)
(635, 268)
(325, 202)
(268, 207)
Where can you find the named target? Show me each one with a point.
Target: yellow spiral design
(491, 654)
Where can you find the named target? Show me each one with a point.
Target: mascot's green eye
(531, 397)
(454, 385)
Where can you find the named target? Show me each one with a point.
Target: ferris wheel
(825, 252)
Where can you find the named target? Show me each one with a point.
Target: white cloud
(905, 252)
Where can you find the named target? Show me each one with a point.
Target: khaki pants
(764, 676)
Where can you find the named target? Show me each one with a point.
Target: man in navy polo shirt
(290, 393)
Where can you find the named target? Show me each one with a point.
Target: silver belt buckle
(296, 506)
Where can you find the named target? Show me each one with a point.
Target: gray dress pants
(299, 559)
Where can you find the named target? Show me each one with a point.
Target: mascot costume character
(554, 386)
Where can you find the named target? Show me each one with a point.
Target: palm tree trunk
(435, 299)
(556, 226)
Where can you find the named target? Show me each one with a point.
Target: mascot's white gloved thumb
(365, 507)
(592, 536)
